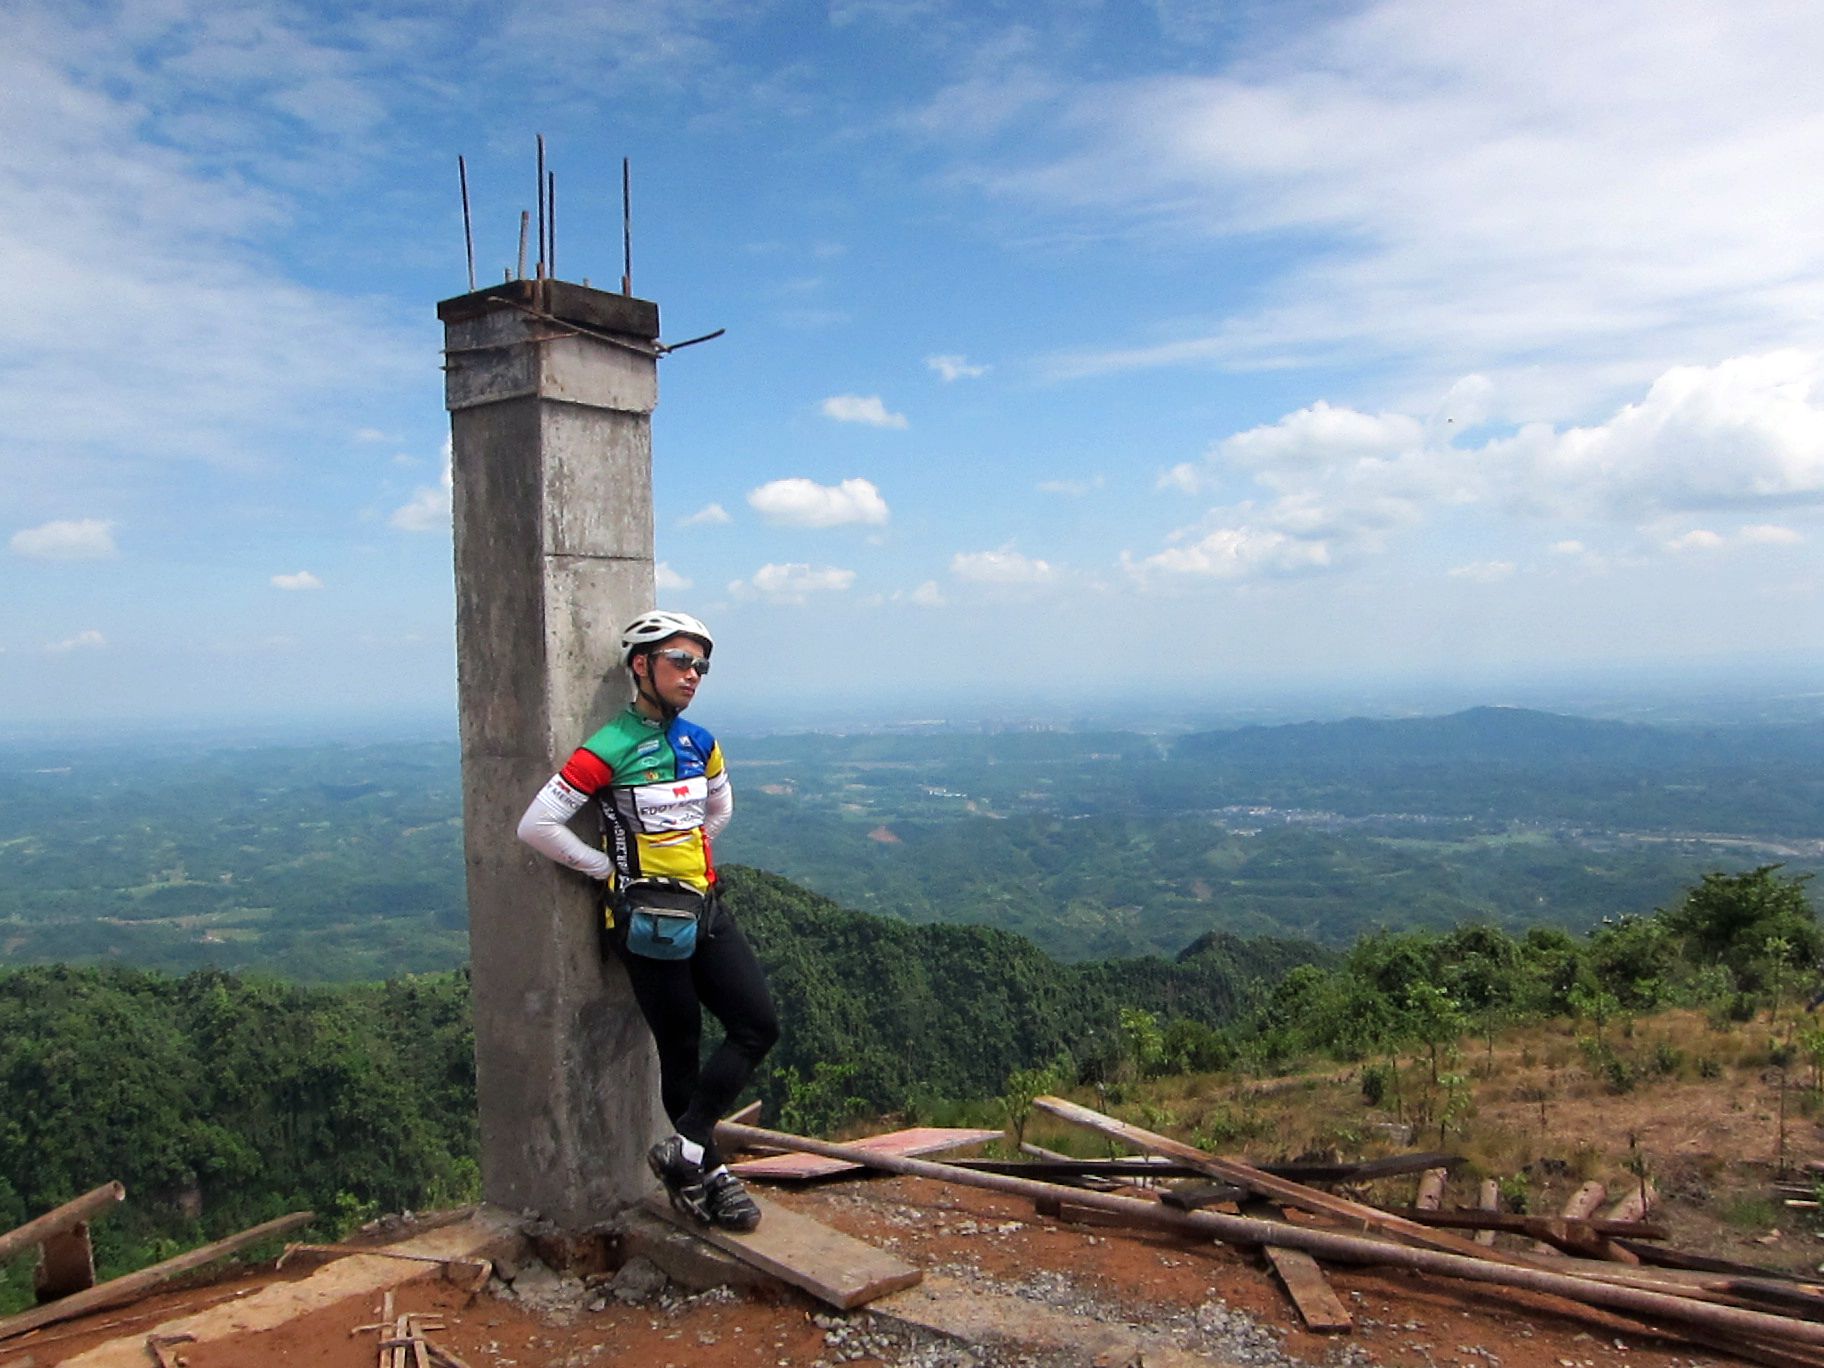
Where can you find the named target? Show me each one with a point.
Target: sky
(1103, 356)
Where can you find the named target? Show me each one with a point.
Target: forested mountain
(947, 1011)
(221, 1101)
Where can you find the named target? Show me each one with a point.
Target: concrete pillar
(552, 433)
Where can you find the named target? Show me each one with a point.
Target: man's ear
(634, 664)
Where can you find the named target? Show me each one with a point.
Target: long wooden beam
(57, 1221)
(132, 1285)
(1661, 1306)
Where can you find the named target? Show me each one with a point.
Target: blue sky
(1086, 351)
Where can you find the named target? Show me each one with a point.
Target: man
(664, 796)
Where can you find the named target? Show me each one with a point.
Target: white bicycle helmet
(650, 628)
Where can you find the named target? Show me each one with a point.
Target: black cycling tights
(723, 976)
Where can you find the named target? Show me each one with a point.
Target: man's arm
(718, 806)
(545, 824)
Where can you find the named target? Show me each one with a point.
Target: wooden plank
(1635, 1203)
(1489, 1199)
(1193, 1196)
(906, 1143)
(353, 1284)
(1318, 1305)
(34, 1231)
(134, 1285)
(66, 1264)
(1061, 1208)
(833, 1267)
(1578, 1205)
(1431, 1189)
(746, 1116)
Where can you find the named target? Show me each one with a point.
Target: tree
(1730, 919)
(1435, 1019)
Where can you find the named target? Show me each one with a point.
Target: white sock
(692, 1150)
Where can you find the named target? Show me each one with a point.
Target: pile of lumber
(1608, 1262)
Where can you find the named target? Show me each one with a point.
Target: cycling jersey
(663, 794)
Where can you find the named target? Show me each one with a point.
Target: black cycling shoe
(683, 1180)
(729, 1205)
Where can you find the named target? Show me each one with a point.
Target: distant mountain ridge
(1503, 735)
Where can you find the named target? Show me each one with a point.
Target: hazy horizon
(1717, 693)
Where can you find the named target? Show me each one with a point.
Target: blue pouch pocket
(662, 918)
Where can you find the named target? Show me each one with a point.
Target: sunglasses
(684, 660)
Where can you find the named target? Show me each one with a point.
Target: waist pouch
(662, 917)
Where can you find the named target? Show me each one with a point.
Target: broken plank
(1061, 1208)
(1489, 1199)
(1318, 1305)
(1635, 1203)
(917, 1140)
(1191, 1196)
(66, 1264)
(1431, 1189)
(833, 1267)
(62, 1218)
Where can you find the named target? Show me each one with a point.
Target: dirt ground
(1211, 1301)
(1710, 1140)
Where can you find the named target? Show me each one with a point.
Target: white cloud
(90, 640)
(428, 510)
(302, 580)
(121, 176)
(927, 595)
(1232, 553)
(793, 583)
(1005, 566)
(667, 580)
(1184, 477)
(707, 516)
(1336, 484)
(1321, 435)
(955, 368)
(1502, 183)
(858, 408)
(1570, 546)
(804, 503)
(1483, 572)
(66, 539)
(1748, 432)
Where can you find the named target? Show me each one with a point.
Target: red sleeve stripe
(586, 772)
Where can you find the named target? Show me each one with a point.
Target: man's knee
(755, 1036)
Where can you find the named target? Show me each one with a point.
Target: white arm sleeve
(719, 807)
(543, 828)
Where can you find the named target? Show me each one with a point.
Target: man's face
(672, 683)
